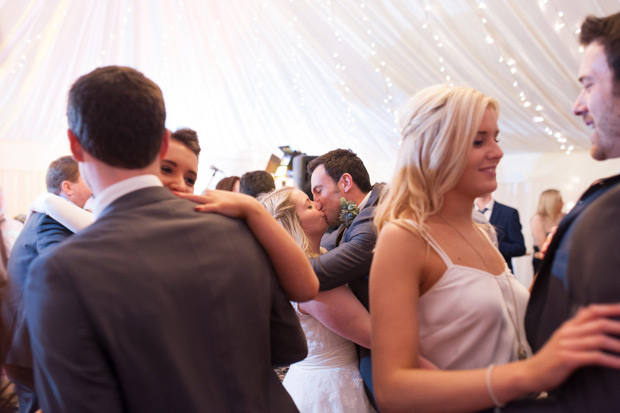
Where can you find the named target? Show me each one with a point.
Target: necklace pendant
(522, 354)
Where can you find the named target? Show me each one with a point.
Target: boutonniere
(348, 212)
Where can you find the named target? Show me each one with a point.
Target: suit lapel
(373, 200)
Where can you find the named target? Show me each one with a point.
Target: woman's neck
(315, 244)
(457, 208)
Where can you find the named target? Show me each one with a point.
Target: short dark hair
(62, 169)
(341, 161)
(228, 183)
(189, 138)
(118, 116)
(606, 31)
(256, 182)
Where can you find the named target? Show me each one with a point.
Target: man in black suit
(335, 175)
(582, 262)
(145, 310)
(39, 233)
(507, 225)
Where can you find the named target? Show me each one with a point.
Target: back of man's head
(606, 31)
(118, 116)
(341, 161)
(62, 169)
(256, 182)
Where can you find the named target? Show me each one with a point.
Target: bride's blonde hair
(280, 205)
(438, 125)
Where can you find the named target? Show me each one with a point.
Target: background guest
(230, 183)
(40, 233)
(507, 225)
(256, 182)
(548, 215)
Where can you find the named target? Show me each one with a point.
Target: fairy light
(341, 69)
(381, 67)
(505, 59)
(443, 66)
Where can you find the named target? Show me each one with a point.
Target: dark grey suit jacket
(580, 268)
(158, 308)
(349, 262)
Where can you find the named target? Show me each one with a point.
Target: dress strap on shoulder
(431, 241)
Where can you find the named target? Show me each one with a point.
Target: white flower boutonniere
(348, 212)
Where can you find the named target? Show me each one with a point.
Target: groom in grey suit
(341, 174)
(145, 310)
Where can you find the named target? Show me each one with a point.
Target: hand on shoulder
(230, 204)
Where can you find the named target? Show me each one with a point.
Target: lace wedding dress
(328, 380)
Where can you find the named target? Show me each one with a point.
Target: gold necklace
(467, 242)
(521, 352)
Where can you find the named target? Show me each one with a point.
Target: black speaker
(301, 177)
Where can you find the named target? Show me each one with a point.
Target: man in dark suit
(507, 225)
(39, 233)
(335, 175)
(581, 264)
(144, 310)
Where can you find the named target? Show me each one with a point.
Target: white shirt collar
(113, 192)
(488, 209)
(364, 201)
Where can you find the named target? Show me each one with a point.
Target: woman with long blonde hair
(548, 216)
(440, 289)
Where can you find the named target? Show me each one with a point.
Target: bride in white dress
(328, 380)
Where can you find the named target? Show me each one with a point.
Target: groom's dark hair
(341, 161)
(118, 116)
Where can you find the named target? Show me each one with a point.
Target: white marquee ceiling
(250, 76)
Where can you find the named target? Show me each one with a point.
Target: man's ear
(346, 180)
(165, 142)
(76, 148)
(65, 186)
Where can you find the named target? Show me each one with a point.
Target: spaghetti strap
(428, 238)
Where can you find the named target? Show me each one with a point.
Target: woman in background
(439, 288)
(548, 215)
(230, 183)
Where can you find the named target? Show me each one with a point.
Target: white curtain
(250, 76)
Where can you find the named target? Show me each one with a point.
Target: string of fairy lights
(380, 68)
(341, 68)
(506, 58)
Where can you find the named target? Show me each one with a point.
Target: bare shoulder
(395, 234)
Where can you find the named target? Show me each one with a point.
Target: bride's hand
(584, 340)
(230, 204)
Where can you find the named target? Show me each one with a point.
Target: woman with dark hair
(230, 183)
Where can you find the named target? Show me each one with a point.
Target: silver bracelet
(490, 387)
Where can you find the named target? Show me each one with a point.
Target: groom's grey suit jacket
(158, 308)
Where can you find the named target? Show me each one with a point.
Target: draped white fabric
(250, 76)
